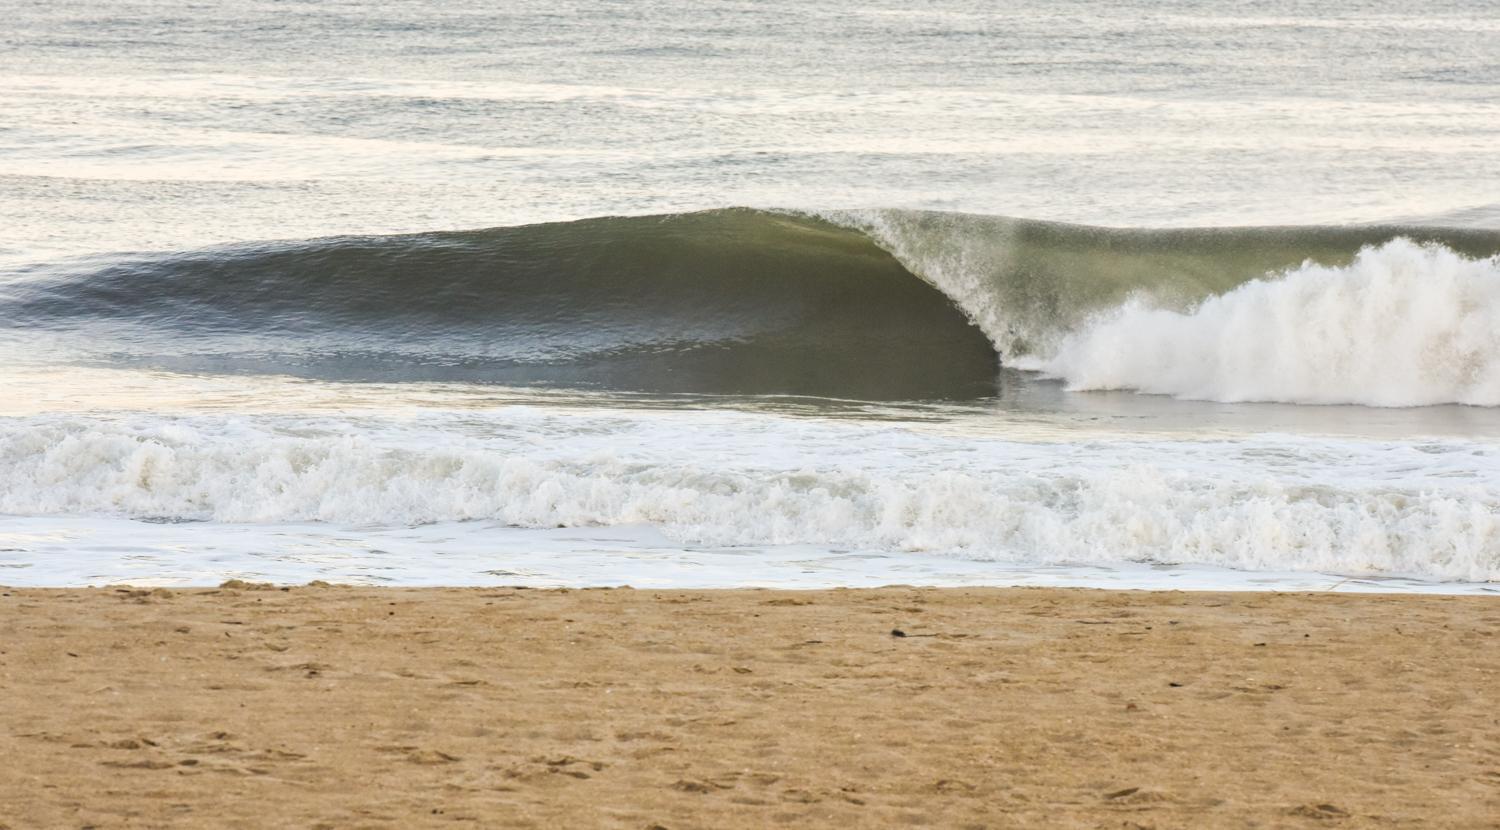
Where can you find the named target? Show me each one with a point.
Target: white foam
(71, 551)
(736, 479)
(1403, 325)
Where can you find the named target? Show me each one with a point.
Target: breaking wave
(1403, 325)
(883, 304)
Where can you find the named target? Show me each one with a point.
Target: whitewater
(668, 298)
(737, 480)
(1403, 325)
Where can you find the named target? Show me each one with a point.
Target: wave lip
(1026, 282)
(1404, 324)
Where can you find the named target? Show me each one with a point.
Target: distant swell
(881, 304)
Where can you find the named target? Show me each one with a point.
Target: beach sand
(353, 707)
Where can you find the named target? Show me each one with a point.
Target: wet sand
(350, 707)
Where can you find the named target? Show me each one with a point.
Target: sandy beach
(337, 707)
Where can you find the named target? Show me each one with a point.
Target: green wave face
(878, 305)
(730, 301)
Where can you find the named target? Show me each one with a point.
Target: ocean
(1131, 294)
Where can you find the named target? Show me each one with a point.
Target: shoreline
(76, 551)
(326, 706)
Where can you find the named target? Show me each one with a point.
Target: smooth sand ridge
(356, 707)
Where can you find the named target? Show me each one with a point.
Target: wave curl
(885, 304)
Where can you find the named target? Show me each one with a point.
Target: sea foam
(1403, 325)
(724, 479)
